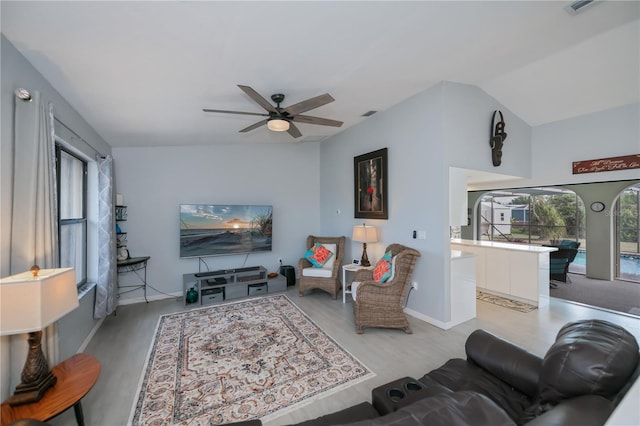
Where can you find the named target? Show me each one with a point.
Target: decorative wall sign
(497, 138)
(370, 185)
(625, 162)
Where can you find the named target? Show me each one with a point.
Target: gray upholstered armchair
(325, 278)
(378, 304)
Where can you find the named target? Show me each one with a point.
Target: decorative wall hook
(498, 135)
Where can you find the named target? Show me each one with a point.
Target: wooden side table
(76, 376)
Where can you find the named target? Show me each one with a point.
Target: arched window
(627, 222)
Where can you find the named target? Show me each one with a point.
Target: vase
(192, 296)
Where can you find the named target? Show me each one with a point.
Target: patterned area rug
(256, 358)
(503, 301)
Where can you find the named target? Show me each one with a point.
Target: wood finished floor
(122, 342)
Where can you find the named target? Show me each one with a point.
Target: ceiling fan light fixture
(278, 125)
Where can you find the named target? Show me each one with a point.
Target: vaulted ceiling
(141, 72)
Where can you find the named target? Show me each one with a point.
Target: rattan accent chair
(330, 284)
(382, 304)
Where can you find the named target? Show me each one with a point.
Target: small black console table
(134, 264)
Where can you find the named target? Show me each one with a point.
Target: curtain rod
(25, 95)
(79, 137)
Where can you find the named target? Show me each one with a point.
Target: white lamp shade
(29, 303)
(365, 234)
(278, 125)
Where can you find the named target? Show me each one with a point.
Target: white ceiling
(141, 72)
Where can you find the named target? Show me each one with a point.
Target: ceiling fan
(282, 119)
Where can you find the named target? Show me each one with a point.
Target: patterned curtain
(106, 288)
(34, 219)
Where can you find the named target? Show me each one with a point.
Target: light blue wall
(555, 146)
(308, 184)
(447, 125)
(467, 123)
(17, 72)
(412, 133)
(155, 181)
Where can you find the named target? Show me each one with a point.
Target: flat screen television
(223, 229)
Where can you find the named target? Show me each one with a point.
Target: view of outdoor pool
(629, 265)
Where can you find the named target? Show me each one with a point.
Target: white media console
(226, 284)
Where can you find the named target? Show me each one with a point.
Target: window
(72, 212)
(627, 215)
(532, 215)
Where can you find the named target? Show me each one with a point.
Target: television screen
(220, 229)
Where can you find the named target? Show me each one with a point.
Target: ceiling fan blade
(317, 120)
(293, 130)
(257, 98)
(254, 126)
(234, 112)
(309, 104)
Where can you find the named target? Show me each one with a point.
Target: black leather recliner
(580, 381)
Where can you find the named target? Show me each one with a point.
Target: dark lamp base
(364, 261)
(26, 394)
(36, 375)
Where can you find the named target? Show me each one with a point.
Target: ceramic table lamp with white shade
(29, 302)
(364, 234)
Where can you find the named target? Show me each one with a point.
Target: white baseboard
(133, 300)
(432, 321)
(87, 339)
(425, 318)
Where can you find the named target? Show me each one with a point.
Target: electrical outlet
(414, 284)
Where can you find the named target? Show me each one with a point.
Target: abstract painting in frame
(371, 185)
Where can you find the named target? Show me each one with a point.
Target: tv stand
(226, 271)
(226, 284)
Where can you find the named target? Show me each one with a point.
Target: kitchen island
(516, 271)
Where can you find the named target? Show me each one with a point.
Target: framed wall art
(371, 185)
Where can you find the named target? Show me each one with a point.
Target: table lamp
(29, 302)
(364, 234)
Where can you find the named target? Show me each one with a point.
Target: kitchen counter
(515, 271)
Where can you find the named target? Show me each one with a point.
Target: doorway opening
(532, 216)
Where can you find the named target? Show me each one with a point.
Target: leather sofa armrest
(510, 363)
(445, 409)
(362, 411)
(586, 410)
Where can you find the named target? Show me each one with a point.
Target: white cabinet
(463, 287)
(524, 287)
(498, 271)
(481, 265)
(518, 271)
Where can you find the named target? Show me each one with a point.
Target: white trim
(134, 300)
(87, 339)
(425, 318)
